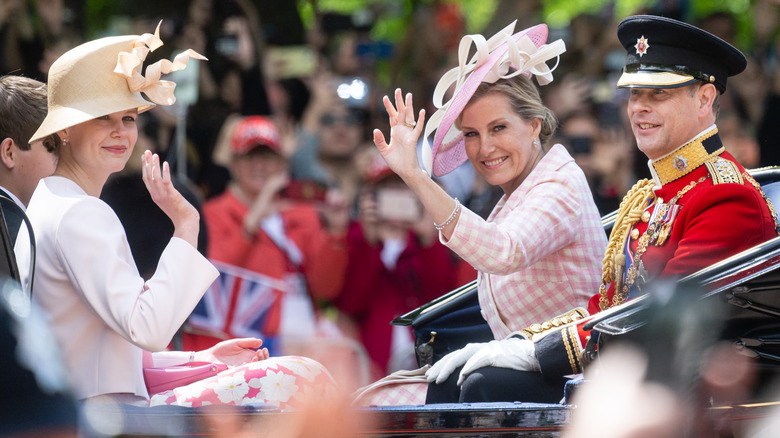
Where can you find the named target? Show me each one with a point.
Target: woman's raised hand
(157, 179)
(401, 153)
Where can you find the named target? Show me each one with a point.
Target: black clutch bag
(446, 324)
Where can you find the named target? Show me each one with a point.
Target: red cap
(377, 169)
(252, 132)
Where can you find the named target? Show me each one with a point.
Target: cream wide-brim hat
(82, 85)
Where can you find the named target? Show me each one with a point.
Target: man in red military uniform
(701, 206)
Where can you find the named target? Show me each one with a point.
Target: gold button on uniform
(634, 234)
(645, 216)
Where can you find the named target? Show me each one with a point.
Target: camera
(291, 62)
(227, 44)
(353, 91)
(580, 145)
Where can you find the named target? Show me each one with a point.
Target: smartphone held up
(398, 205)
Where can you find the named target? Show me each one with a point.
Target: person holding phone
(286, 230)
(332, 135)
(396, 263)
(539, 253)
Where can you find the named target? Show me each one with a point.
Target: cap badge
(680, 163)
(641, 46)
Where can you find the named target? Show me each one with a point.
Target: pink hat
(523, 52)
(252, 132)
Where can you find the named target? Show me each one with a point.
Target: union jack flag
(240, 303)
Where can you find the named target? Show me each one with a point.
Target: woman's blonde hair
(525, 101)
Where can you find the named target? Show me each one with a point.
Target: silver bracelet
(449, 219)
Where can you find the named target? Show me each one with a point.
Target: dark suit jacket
(13, 216)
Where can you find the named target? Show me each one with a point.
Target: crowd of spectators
(322, 88)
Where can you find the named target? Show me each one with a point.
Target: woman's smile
(498, 142)
(494, 163)
(117, 149)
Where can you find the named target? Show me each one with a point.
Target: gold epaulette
(723, 171)
(558, 321)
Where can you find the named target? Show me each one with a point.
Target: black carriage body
(744, 290)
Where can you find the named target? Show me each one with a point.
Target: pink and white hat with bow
(502, 56)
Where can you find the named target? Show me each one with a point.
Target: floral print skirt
(285, 382)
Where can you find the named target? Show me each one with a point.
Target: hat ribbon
(156, 90)
(523, 55)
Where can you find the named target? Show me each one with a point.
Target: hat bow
(156, 90)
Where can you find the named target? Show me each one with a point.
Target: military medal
(663, 234)
(655, 225)
(657, 232)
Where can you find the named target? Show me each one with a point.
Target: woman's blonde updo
(525, 100)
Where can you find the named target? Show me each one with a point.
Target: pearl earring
(537, 143)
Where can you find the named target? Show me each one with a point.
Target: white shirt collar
(15, 199)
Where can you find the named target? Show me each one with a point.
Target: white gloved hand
(513, 353)
(447, 364)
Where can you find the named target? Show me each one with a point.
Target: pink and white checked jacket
(540, 252)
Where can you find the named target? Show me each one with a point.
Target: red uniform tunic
(705, 208)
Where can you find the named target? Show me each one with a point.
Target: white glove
(447, 364)
(513, 353)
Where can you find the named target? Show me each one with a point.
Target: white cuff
(170, 358)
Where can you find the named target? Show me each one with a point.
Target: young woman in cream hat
(107, 319)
